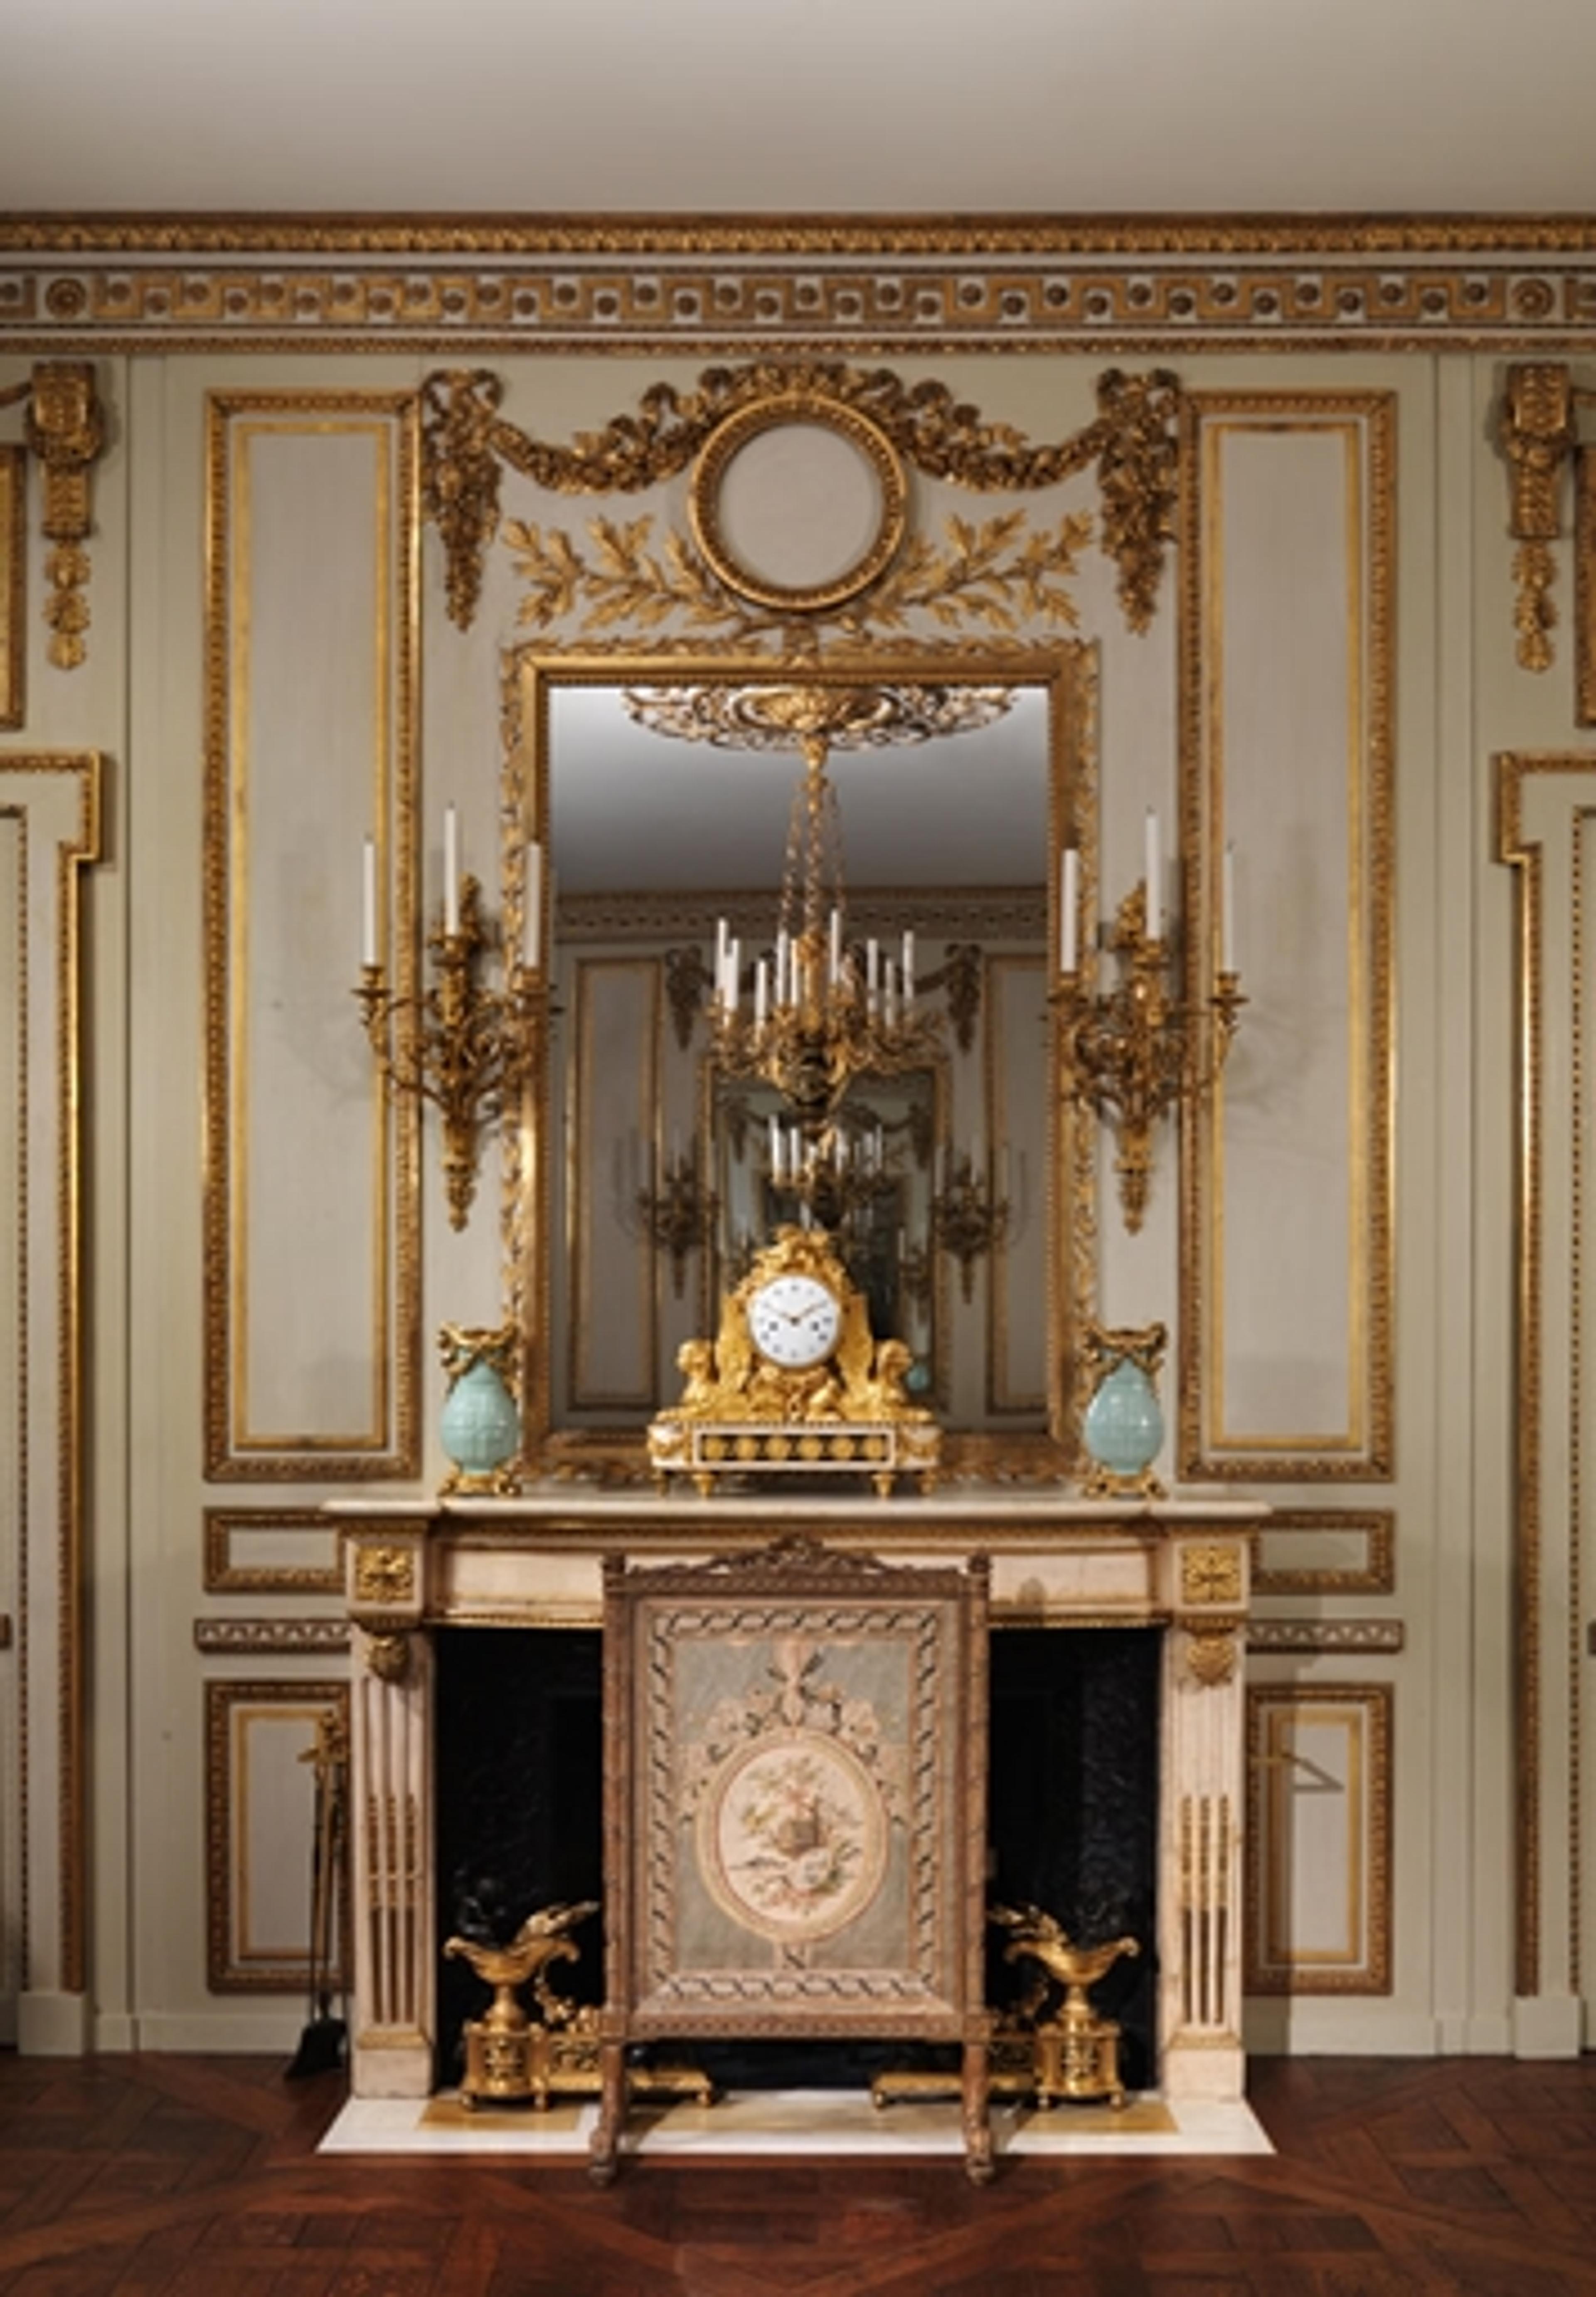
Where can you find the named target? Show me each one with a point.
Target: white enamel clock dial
(794, 1321)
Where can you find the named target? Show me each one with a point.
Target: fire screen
(796, 1807)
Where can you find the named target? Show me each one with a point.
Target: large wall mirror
(661, 791)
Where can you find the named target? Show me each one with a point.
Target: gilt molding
(875, 286)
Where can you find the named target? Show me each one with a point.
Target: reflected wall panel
(311, 1260)
(612, 1339)
(1017, 1127)
(1285, 1257)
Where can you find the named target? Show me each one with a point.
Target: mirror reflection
(800, 972)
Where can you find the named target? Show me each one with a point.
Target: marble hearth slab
(794, 2122)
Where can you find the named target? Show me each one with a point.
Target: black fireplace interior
(1073, 1821)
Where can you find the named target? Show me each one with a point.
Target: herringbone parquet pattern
(164, 2176)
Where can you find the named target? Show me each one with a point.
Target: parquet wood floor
(170, 2177)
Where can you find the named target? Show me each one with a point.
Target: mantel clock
(794, 1383)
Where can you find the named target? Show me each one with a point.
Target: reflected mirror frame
(1067, 675)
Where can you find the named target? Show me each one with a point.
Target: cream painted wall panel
(314, 637)
(1284, 639)
(313, 501)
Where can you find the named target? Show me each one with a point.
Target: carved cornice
(874, 285)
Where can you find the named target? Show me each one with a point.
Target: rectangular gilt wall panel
(1286, 1358)
(260, 1824)
(272, 1552)
(1546, 831)
(50, 805)
(1319, 1839)
(312, 1305)
(1325, 1551)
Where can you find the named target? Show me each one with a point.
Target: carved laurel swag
(1134, 443)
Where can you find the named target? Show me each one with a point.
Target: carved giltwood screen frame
(796, 1791)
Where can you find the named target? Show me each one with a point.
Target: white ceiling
(567, 107)
(638, 811)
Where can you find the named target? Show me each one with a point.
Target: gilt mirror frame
(1065, 673)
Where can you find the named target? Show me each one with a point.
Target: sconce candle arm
(466, 1049)
(1134, 1052)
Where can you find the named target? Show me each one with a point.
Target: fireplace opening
(1072, 1824)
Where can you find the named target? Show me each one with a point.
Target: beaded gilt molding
(863, 285)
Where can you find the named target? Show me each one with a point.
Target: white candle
(762, 992)
(368, 904)
(531, 922)
(872, 974)
(909, 968)
(776, 1148)
(451, 870)
(723, 931)
(783, 966)
(1069, 907)
(734, 974)
(1154, 879)
(1227, 917)
(836, 947)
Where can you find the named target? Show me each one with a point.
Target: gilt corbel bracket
(64, 428)
(1538, 438)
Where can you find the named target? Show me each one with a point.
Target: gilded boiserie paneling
(311, 1217)
(1319, 1839)
(1549, 855)
(51, 802)
(870, 284)
(1297, 1129)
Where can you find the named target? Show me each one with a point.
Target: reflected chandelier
(824, 1011)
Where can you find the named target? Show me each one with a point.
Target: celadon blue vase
(480, 1428)
(1123, 1429)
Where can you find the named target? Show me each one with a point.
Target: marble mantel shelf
(535, 1557)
